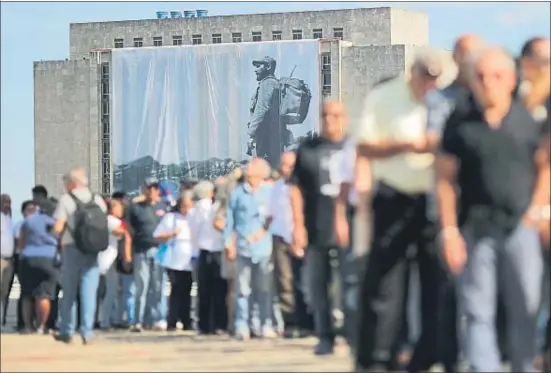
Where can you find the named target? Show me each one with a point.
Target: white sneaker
(159, 326)
(269, 333)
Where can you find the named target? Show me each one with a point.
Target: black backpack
(90, 230)
(294, 102)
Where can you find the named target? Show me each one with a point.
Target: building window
(119, 43)
(236, 37)
(326, 73)
(318, 33)
(216, 38)
(297, 34)
(138, 42)
(338, 33)
(196, 39)
(157, 41)
(276, 35)
(257, 36)
(177, 40)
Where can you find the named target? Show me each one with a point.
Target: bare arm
(127, 247)
(297, 203)
(21, 239)
(541, 194)
(446, 177)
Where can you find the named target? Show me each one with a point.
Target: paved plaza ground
(163, 352)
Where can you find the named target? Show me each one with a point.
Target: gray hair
(203, 189)
(78, 176)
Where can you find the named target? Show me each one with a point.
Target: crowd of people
(454, 180)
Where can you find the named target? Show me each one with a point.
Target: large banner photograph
(200, 111)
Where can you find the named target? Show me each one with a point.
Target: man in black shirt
(314, 189)
(492, 150)
(144, 216)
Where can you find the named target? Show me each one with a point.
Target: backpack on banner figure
(295, 96)
(90, 231)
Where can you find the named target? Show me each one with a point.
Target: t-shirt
(67, 207)
(107, 257)
(497, 171)
(180, 250)
(143, 219)
(316, 174)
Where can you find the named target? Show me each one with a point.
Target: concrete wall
(408, 27)
(365, 66)
(66, 121)
(367, 26)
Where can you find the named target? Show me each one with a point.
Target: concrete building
(72, 101)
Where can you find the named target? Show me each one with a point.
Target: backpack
(90, 230)
(294, 100)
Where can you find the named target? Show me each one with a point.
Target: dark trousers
(302, 317)
(54, 310)
(19, 300)
(399, 221)
(179, 301)
(212, 310)
(283, 281)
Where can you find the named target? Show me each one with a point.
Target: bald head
(466, 47)
(335, 120)
(287, 163)
(494, 76)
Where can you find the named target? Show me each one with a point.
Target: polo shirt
(392, 114)
(497, 172)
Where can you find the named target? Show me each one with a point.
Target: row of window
(236, 37)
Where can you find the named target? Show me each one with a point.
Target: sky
(32, 31)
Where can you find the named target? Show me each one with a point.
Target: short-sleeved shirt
(316, 173)
(391, 113)
(497, 172)
(144, 218)
(67, 207)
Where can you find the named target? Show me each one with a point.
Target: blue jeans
(253, 283)
(148, 288)
(126, 300)
(109, 314)
(79, 272)
(512, 265)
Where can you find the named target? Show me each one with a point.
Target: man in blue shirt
(249, 244)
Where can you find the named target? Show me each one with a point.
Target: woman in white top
(107, 264)
(175, 230)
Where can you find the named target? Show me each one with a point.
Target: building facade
(359, 47)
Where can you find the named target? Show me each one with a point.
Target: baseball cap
(266, 60)
(151, 182)
(428, 63)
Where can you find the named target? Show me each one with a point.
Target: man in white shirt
(212, 287)
(393, 136)
(7, 250)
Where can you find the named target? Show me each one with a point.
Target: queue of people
(454, 180)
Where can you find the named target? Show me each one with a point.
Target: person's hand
(454, 249)
(419, 145)
(342, 231)
(231, 252)
(176, 232)
(300, 240)
(255, 237)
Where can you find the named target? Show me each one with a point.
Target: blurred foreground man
(393, 135)
(492, 150)
(440, 105)
(315, 186)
